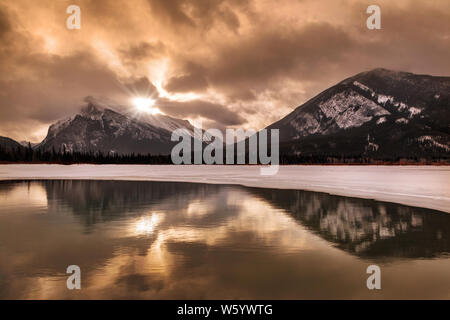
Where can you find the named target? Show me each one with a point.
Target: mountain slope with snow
(100, 129)
(379, 113)
(165, 122)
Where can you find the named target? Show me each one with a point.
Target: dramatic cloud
(208, 110)
(199, 14)
(227, 62)
(136, 53)
(193, 80)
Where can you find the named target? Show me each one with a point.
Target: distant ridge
(8, 143)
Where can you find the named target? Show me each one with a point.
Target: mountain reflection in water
(185, 240)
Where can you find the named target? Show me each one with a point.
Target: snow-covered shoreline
(421, 186)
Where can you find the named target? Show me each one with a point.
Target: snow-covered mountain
(98, 128)
(380, 113)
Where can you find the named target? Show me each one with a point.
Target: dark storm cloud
(39, 95)
(172, 10)
(39, 88)
(55, 91)
(200, 14)
(187, 83)
(209, 110)
(192, 79)
(414, 38)
(258, 62)
(42, 87)
(142, 50)
(5, 26)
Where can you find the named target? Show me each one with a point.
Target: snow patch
(413, 111)
(383, 99)
(401, 120)
(350, 109)
(361, 86)
(381, 120)
(429, 140)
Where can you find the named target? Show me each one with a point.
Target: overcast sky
(231, 63)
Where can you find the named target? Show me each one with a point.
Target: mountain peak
(91, 108)
(379, 73)
(100, 127)
(383, 71)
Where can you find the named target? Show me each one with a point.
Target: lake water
(163, 240)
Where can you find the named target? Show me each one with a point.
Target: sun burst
(145, 105)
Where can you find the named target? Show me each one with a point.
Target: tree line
(30, 155)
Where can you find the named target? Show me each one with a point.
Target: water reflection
(183, 240)
(364, 227)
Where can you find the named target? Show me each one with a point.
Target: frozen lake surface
(421, 186)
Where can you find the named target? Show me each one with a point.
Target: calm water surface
(159, 240)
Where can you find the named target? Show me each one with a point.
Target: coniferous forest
(30, 155)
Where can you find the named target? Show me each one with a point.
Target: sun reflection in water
(146, 225)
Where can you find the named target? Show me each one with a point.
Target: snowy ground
(422, 186)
